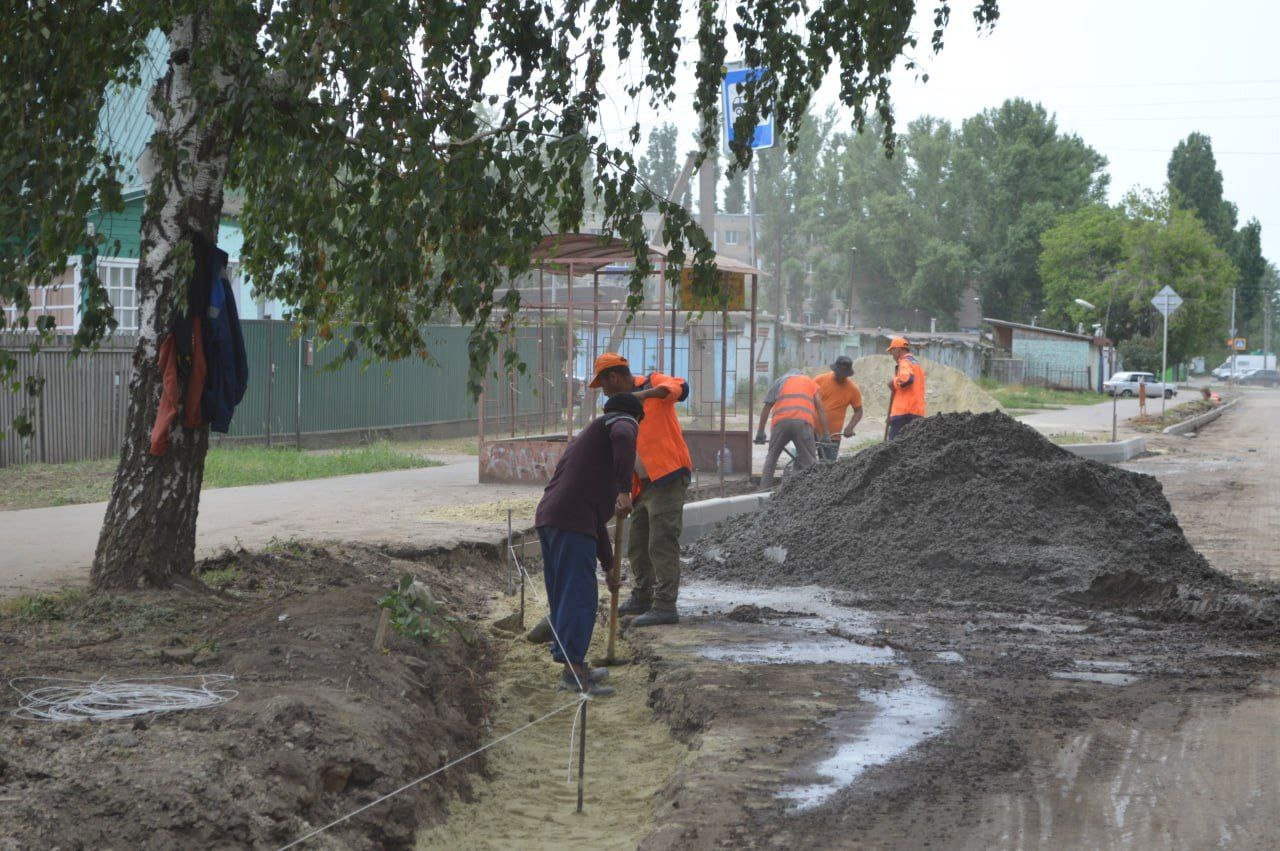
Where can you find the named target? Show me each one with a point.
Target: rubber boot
(634, 606)
(656, 617)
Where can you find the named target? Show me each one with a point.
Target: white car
(1126, 384)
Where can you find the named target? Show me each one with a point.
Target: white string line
(426, 777)
(555, 635)
(67, 699)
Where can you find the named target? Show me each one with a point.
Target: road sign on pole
(733, 94)
(1166, 301)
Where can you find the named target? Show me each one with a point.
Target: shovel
(615, 575)
(892, 392)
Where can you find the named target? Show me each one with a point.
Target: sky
(1131, 77)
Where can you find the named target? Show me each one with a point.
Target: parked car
(1261, 377)
(1126, 384)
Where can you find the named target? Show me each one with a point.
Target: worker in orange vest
(796, 404)
(907, 387)
(839, 392)
(663, 471)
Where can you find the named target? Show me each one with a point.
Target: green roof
(124, 125)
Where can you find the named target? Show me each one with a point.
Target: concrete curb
(1195, 422)
(701, 516)
(1109, 453)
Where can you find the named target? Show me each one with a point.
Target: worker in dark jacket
(591, 484)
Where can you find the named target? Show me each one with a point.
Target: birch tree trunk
(148, 534)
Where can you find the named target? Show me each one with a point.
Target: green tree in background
(1195, 184)
(659, 168)
(735, 193)
(1119, 258)
(1015, 174)
(1246, 253)
(373, 188)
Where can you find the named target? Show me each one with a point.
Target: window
(57, 300)
(120, 277)
(732, 237)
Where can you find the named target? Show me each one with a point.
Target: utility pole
(853, 262)
(1233, 336)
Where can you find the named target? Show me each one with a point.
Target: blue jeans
(569, 571)
(899, 422)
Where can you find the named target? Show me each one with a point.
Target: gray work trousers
(654, 544)
(800, 435)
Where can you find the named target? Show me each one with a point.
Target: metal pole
(1232, 378)
(724, 394)
(1164, 358)
(751, 209)
(675, 299)
(572, 359)
(271, 373)
(297, 402)
(1114, 399)
(582, 752)
(777, 308)
(506, 558)
(751, 376)
(662, 310)
(542, 368)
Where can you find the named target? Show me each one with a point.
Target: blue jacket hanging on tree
(228, 364)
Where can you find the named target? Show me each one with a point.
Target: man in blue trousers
(591, 483)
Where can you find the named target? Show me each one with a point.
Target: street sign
(1167, 301)
(733, 95)
(1239, 344)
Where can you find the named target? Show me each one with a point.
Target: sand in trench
(527, 802)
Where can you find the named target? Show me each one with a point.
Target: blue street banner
(734, 97)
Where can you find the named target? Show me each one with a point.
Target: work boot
(541, 633)
(634, 606)
(657, 617)
(593, 687)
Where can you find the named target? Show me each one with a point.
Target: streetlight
(1084, 303)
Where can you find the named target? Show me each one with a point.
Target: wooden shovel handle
(615, 575)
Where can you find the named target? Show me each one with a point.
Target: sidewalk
(1096, 419)
(48, 547)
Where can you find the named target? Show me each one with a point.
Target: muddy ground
(322, 723)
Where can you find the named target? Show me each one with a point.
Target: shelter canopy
(586, 253)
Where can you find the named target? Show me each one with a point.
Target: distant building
(1033, 355)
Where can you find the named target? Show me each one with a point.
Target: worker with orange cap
(906, 387)
(798, 419)
(663, 471)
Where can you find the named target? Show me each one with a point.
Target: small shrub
(412, 610)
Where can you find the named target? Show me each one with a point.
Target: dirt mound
(323, 722)
(947, 390)
(978, 509)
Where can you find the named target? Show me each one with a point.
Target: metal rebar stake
(582, 753)
(510, 560)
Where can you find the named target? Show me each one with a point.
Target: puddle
(902, 719)
(816, 652)
(807, 607)
(1106, 678)
(882, 727)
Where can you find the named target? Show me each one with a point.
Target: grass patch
(220, 578)
(44, 485)
(45, 606)
(257, 465)
(1023, 399)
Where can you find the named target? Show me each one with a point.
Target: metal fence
(295, 391)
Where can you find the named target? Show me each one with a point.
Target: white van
(1243, 364)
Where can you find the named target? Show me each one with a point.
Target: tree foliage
(1118, 258)
(659, 168)
(1195, 184)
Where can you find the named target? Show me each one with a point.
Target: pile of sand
(974, 509)
(947, 390)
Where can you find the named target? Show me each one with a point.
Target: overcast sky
(1130, 77)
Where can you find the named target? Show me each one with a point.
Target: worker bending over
(795, 402)
(907, 387)
(663, 470)
(838, 392)
(591, 483)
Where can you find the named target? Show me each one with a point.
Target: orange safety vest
(795, 400)
(660, 442)
(908, 383)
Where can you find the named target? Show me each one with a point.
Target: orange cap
(898, 343)
(607, 361)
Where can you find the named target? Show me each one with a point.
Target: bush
(1140, 354)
